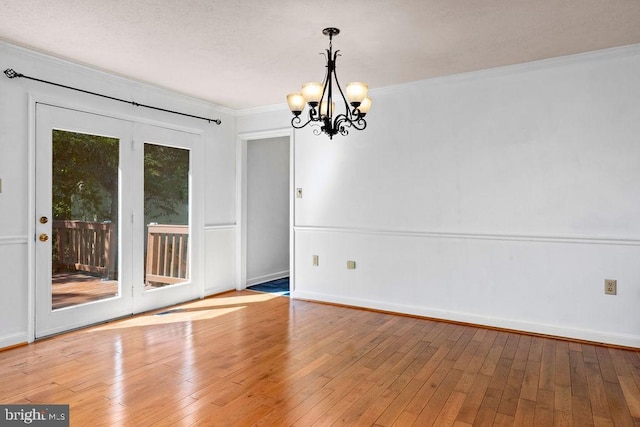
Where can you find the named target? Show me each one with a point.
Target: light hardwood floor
(245, 358)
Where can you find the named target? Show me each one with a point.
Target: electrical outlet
(315, 261)
(610, 287)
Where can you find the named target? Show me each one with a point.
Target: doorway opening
(266, 257)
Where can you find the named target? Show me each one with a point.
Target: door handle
(43, 237)
(44, 220)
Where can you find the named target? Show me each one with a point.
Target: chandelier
(322, 108)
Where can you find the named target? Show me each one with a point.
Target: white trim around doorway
(241, 202)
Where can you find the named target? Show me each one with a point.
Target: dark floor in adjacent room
(278, 286)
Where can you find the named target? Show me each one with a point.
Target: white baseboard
(267, 278)
(536, 328)
(218, 290)
(15, 339)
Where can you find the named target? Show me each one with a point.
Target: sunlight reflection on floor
(197, 310)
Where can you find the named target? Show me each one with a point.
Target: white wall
(267, 209)
(503, 197)
(219, 148)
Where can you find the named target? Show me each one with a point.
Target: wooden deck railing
(84, 246)
(167, 254)
(90, 246)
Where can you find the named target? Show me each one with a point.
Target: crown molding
(92, 72)
(524, 67)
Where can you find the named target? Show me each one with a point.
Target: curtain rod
(12, 74)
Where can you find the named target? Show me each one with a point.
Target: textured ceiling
(248, 53)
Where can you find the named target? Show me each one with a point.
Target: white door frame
(55, 321)
(193, 288)
(241, 202)
(35, 97)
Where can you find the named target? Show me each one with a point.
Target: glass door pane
(84, 231)
(166, 216)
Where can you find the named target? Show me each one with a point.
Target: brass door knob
(43, 237)
(44, 220)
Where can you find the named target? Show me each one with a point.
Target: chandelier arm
(331, 72)
(359, 124)
(343, 121)
(347, 108)
(342, 125)
(296, 120)
(327, 84)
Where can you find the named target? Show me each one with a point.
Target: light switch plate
(315, 261)
(351, 265)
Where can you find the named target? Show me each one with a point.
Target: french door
(114, 212)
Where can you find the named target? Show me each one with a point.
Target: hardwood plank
(562, 419)
(589, 353)
(503, 420)
(547, 366)
(382, 378)
(437, 401)
(511, 392)
(617, 405)
(288, 410)
(607, 369)
(430, 385)
(450, 410)
(581, 411)
(487, 411)
(406, 386)
(501, 374)
(511, 346)
(562, 366)
(347, 385)
(530, 381)
(525, 413)
(544, 413)
(578, 379)
(522, 353)
(535, 351)
(597, 392)
(602, 422)
(479, 357)
(563, 401)
(405, 419)
(631, 394)
(475, 396)
(491, 361)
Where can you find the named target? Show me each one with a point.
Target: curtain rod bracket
(12, 74)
